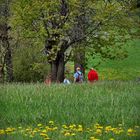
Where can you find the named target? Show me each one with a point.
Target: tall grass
(106, 103)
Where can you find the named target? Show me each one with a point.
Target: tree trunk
(60, 72)
(8, 62)
(54, 68)
(4, 28)
(1, 74)
(7, 57)
(57, 69)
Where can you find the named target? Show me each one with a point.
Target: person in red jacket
(92, 75)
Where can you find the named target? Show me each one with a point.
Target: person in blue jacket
(78, 76)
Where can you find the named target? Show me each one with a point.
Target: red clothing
(92, 76)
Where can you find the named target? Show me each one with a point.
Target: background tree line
(38, 37)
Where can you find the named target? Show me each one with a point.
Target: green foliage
(42, 20)
(29, 64)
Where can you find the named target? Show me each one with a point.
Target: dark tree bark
(138, 3)
(60, 72)
(1, 74)
(4, 37)
(54, 68)
(8, 53)
(8, 62)
(57, 69)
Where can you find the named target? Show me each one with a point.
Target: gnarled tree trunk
(57, 69)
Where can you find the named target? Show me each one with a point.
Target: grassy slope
(108, 103)
(127, 69)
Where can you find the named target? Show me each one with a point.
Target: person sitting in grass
(78, 76)
(92, 76)
(66, 81)
(48, 80)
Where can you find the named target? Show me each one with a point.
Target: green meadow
(126, 69)
(106, 110)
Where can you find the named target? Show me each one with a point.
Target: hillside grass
(79, 107)
(126, 69)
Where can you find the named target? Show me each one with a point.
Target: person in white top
(66, 81)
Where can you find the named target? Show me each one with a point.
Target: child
(66, 81)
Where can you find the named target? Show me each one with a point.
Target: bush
(29, 65)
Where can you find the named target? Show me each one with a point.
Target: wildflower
(2, 132)
(44, 131)
(67, 134)
(111, 139)
(28, 129)
(73, 134)
(51, 122)
(64, 126)
(72, 126)
(36, 130)
(99, 127)
(130, 130)
(43, 135)
(54, 128)
(108, 128)
(9, 130)
(93, 138)
(98, 131)
(80, 128)
(89, 130)
(39, 125)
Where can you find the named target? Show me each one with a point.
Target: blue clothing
(78, 76)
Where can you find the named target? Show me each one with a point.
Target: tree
(54, 23)
(5, 50)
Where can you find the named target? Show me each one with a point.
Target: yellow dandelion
(36, 130)
(98, 131)
(93, 138)
(130, 130)
(44, 131)
(67, 134)
(73, 134)
(43, 135)
(64, 126)
(51, 122)
(2, 131)
(108, 128)
(54, 128)
(99, 127)
(80, 129)
(39, 125)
